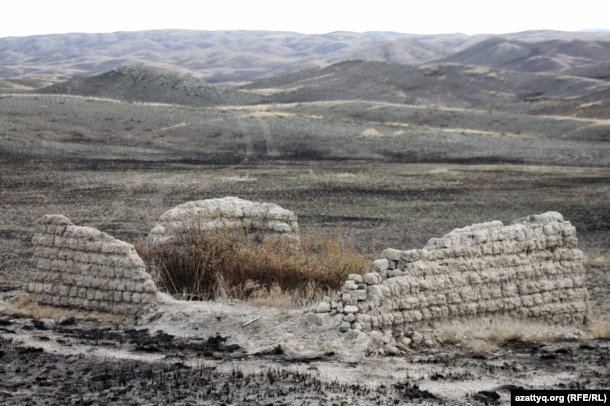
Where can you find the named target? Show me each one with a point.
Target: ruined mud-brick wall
(82, 267)
(531, 269)
(257, 218)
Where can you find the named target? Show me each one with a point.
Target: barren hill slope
(149, 84)
(540, 56)
(444, 85)
(227, 57)
(599, 70)
(234, 57)
(400, 50)
(447, 85)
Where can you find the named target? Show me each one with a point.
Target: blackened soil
(29, 375)
(214, 347)
(58, 367)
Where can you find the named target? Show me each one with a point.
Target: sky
(40, 17)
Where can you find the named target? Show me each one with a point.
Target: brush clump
(232, 263)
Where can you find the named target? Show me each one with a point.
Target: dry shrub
(232, 263)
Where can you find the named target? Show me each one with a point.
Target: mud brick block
(522, 270)
(77, 267)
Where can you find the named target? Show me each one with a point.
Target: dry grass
(599, 329)
(450, 336)
(24, 305)
(492, 337)
(233, 264)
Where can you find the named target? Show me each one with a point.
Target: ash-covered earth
(236, 353)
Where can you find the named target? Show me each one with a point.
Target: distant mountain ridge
(240, 57)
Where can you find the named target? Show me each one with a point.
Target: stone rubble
(529, 270)
(84, 268)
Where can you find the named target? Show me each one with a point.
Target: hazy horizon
(39, 17)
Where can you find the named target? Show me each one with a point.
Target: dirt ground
(239, 353)
(243, 353)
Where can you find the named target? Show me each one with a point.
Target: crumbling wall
(531, 269)
(257, 218)
(85, 268)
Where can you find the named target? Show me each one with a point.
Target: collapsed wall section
(531, 269)
(85, 268)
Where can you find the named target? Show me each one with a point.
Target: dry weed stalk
(24, 305)
(229, 263)
(599, 329)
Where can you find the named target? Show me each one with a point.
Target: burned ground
(378, 174)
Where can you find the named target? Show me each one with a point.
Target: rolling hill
(369, 111)
(442, 85)
(599, 70)
(153, 85)
(240, 57)
(448, 85)
(227, 57)
(315, 110)
(542, 56)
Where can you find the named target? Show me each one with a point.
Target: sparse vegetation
(395, 153)
(231, 264)
(23, 305)
(599, 329)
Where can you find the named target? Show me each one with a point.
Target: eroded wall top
(529, 270)
(259, 218)
(82, 267)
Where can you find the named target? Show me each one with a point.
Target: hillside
(448, 85)
(149, 84)
(350, 110)
(400, 50)
(599, 70)
(239, 57)
(57, 128)
(542, 56)
(226, 57)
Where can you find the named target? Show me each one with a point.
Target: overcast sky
(33, 17)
